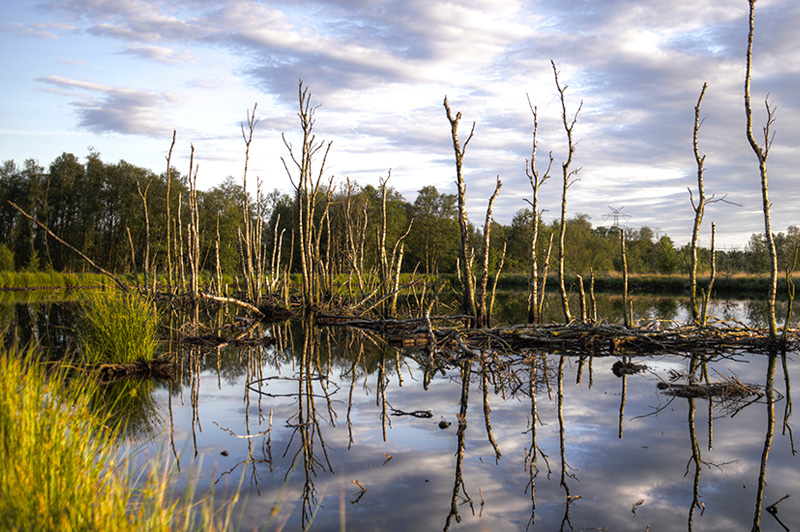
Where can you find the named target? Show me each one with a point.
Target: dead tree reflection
(787, 409)
(485, 372)
(535, 379)
(307, 424)
(458, 486)
(697, 461)
(762, 475)
(562, 441)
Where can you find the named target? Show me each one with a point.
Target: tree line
(99, 208)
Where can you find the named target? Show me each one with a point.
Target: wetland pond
(333, 429)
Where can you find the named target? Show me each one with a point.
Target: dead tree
(699, 207)
(193, 234)
(307, 190)
(483, 317)
(627, 317)
(568, 175)
(146, 265)
(169, 217)
(465, 254)
(247, 245)
(537, 180)
(699, 317)
(355, 229)
(389, 266)
(762, 152)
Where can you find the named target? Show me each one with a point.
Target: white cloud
(106, 109)
(381, 68)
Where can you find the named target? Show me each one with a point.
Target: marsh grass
(40, 280)
(61, 467)
(118, 328)
(60, 470)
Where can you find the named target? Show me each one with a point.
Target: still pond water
(342, 431)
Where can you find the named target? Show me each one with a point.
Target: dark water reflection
(331, 425)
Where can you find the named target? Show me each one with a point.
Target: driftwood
(728, 389)
(576, 338)
(214, 340)
(162, 367)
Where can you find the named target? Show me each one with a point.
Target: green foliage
(92, 204)
(6, 259)
(118, 328)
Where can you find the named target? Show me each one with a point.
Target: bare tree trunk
(591, 296)
(193, 248)
(494, 285)
(306, 191)
(707, 294)
(568, 180)
(467, 278)
(355, 240)
(698, 207)
(482, 318)
(536, 182)
(540, 304)
(133, 258)
(247, 233)
(761, 155)
(219, 269)
(627, 317)
(146, 265)
(169, 217)
(180, 243)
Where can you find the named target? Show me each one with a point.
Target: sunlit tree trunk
(465, 253)
(568, 179)
(761, 154)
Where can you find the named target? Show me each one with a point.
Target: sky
(118, 76)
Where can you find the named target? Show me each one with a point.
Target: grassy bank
(61, 469)
(51, 280)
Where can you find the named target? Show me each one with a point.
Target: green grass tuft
(60, 468)
(118, 328)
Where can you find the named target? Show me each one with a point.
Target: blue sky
(120, 75)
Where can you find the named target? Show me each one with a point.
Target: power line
(616, 214)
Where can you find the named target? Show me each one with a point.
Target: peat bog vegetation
(313, 355)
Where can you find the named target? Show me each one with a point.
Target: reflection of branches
(697, 462)
(486, 409)
(354, 374)
(307, 424)
(266, 448)
(767, 439)
(380, 398)
(458, 486)
(787, 410)
(533, 451)
(562, 432)
(195, 396)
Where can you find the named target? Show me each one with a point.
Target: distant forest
(95, 206)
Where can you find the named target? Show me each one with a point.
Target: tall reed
(118, 328)
(60, 468)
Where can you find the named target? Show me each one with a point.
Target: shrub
(118, 328)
